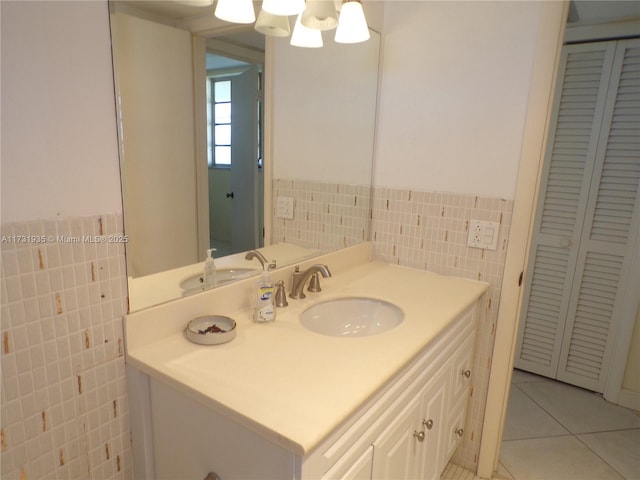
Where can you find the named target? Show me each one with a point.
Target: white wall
(454, 94)
(59, 147)
(324, 111)
(155, 82)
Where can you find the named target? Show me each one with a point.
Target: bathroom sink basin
(351, 317)
(195, 283)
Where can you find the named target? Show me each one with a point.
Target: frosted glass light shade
(305, 37)
(352, 26)
(283, 7)
(273, 25)
(235, 11)
(320, 14)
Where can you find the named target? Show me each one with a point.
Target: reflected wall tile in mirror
(327, 216)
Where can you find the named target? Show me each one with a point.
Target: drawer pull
(459, 432)
(419, 436)
(428, 424)
(466, 373)
(212, 476)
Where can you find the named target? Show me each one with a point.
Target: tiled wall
(64, 399)
(327, 216)
(429, 231)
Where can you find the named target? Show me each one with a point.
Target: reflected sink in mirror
(352, 317)
(195, 283)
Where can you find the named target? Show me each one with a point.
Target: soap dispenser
(265, 310)
(209, 276)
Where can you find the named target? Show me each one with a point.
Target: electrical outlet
(483, 234)
(284, 207)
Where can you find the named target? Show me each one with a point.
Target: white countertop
(294, 386)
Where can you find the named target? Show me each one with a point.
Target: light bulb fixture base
(272, 25)
(320, 15)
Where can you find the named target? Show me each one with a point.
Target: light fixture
(272, 25)
(352, 25)
(313, 17)
(283, 7)
(320, 15)
(305, 37)
(235, 11)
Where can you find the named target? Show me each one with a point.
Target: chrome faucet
(300, 278)
(251, 254)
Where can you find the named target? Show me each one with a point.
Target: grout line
(596, 454)
(544, 409)
(511, 475)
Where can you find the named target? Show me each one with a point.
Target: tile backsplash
(65, 411)
(429, 231)
(327, 216)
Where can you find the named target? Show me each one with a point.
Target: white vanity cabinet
(417, 434)
(406, 430)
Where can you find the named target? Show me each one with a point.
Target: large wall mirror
(233, 141)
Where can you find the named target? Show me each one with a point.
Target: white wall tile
(326, 216)
(428, 231)
(58, 385)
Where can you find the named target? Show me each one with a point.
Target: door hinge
(520, 279)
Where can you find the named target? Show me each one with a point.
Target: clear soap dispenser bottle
(265, 310)
(209, 276)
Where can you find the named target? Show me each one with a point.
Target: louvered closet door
(609, 233)
(570, 157)
(587, 220)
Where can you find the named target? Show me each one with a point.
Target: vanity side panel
(190, 441)
(139, 388)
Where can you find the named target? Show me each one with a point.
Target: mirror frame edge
(267, 161)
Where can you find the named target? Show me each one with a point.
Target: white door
(587, 219)
(233, 179)
(244, 160)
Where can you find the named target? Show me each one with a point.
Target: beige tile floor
(555, 431)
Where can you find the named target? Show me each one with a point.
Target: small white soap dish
(211, 330)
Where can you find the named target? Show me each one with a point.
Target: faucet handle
(314, 283)
(281, 296)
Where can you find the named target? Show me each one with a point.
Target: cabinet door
(348, 469)
(433, 423)
(460, 378)
(397, 448)
(461, 370)
(454, 430)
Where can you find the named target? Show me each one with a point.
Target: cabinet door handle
(459, 432)
(428, 424)
(466, 373)
(419, 436)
